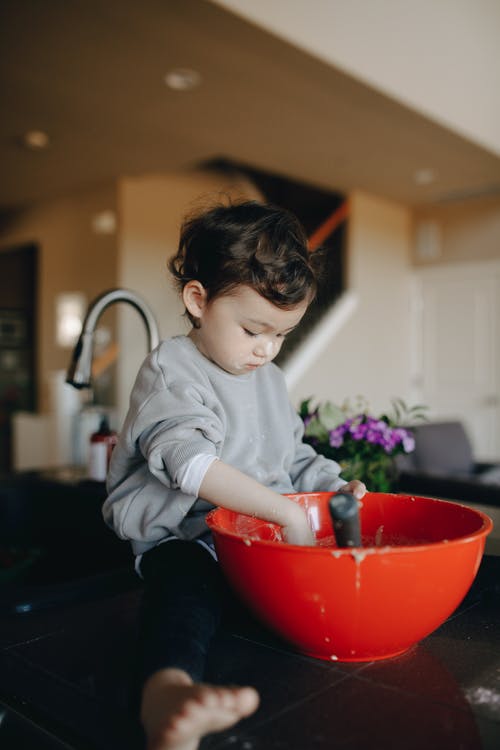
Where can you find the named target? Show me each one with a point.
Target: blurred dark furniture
(443, 465)
(54, 545)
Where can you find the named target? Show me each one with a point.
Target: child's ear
(194, 296)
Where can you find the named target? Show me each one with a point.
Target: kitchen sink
(54, 545)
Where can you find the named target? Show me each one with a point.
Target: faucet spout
(79, 372)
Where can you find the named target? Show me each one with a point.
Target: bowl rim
(485, 529)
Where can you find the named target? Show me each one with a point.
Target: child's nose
(264, 348)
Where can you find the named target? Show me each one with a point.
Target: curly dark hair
(250, 243)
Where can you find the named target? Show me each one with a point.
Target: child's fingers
(357, 488)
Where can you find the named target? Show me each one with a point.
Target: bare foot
(176, 713)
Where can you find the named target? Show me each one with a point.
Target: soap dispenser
(102, 443)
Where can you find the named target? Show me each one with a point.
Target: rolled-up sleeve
(191, 474)
(174, 426)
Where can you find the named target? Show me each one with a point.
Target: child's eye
(250, 333)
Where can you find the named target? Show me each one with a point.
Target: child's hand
(298, 531)
(355, 487)
(295, 535)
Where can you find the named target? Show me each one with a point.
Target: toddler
(210, 423)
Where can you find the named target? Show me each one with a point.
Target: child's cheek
(238, 359)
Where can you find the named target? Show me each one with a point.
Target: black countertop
(66, 672)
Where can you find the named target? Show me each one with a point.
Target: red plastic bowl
(418, 560)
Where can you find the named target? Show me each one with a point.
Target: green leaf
(315, 429)
(304, 407)
(404, 414)
(330, 415)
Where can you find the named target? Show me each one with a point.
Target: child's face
(242, 330)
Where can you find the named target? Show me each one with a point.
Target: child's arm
(228, 487)
(311, 472)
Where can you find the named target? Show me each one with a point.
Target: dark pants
(185, 597)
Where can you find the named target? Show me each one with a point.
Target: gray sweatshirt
(183, 405)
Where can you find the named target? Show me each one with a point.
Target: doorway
(18, 382)
(458, 368)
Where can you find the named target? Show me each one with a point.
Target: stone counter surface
(66, 677)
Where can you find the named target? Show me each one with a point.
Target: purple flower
(336, 436)
(378, 435)
(407, 440)
(358, 431)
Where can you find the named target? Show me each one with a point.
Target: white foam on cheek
(269, 348)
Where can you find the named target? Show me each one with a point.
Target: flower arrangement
(363, 445)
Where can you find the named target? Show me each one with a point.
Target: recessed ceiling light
(36, 140)
(424, 176)
(104, 222)
(182, 79)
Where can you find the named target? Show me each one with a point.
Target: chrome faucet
(80, 370)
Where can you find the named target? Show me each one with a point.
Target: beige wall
(465, 231)
(72, 258)
(371, 356)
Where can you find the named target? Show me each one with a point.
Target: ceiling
(91, 75)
